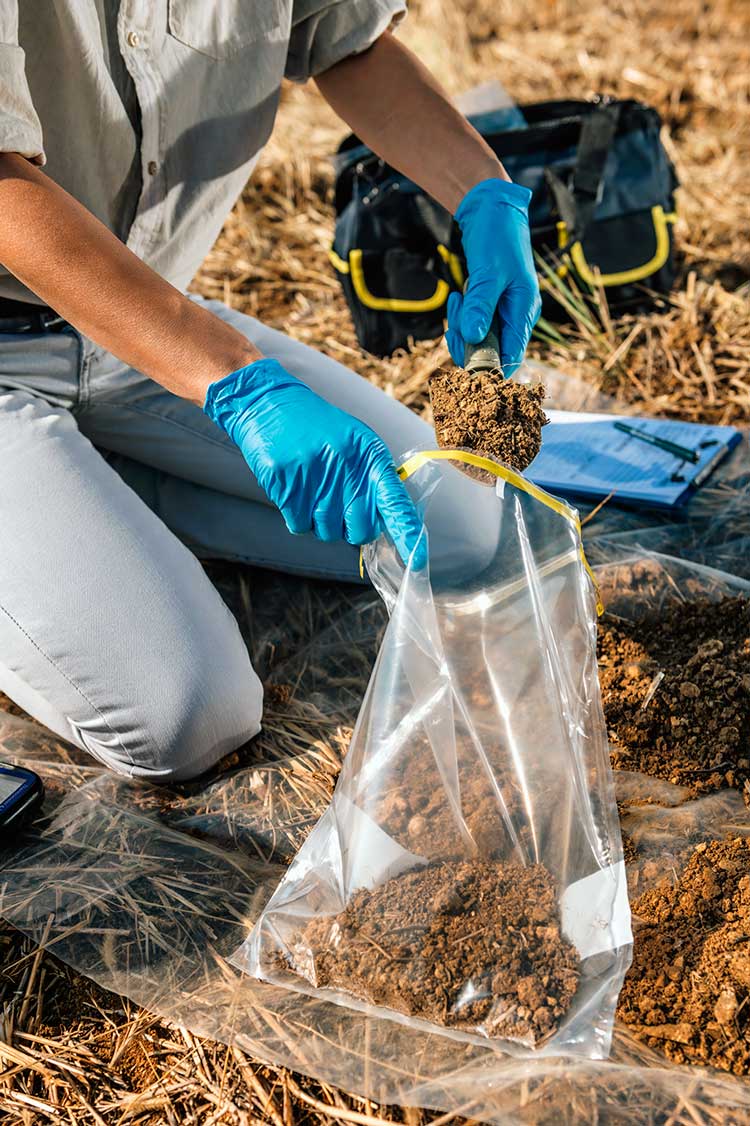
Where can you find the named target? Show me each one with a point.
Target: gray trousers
(110, 633)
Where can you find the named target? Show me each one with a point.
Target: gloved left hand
(326, 471)
(494, 223)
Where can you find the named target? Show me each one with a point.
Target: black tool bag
(602, 212)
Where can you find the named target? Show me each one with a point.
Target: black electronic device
(21, 794)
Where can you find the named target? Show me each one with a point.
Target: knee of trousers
(176, 728)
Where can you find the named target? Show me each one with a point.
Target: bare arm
(78, 267)
(395, 106)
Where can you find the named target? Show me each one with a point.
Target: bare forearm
(395, 106)
(77, 266)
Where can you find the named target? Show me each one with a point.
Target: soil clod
(695, 728)
(490, 415)
(688, 991)
(467, 944)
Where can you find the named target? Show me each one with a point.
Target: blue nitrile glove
(327, 472)
(494, 223)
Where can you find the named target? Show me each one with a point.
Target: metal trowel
(475, 408)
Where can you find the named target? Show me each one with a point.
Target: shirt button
(153, 167)
(133, 39)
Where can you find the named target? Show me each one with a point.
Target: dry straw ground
(69, 1051)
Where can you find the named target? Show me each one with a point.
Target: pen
(673, 448)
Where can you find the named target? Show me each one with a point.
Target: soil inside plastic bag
(676, 693)
(493, 416)
(416, 811)
(687, 993)
(460, 943)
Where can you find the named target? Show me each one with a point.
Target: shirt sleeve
(326, 31)
(20, 128)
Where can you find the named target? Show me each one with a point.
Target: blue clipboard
(585, 455)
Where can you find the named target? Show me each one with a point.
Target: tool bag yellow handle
(355, 269)
(574, 252)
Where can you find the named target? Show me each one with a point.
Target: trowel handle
(485, 356)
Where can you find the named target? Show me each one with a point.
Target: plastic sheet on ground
(149, 891)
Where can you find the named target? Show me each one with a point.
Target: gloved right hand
(494, 223)
(326, 471)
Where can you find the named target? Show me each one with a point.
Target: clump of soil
(482, 411)
(415, 809)
(687, 993)
(459, 943)
(676, 693)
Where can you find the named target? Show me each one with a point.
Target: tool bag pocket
(602, 213)
(397, 255)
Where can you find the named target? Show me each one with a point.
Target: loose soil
(481, 411)
(688, 990)
(415, 809)
(676, 693)
(695, 728)
(464, 944)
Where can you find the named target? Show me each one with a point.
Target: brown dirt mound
(482, 411)
(687, 993)
(695, 730)
(459, 943)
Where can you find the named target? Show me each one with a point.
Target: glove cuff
(232, 397)
(493, 191)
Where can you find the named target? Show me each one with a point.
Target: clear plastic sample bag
(468, 872)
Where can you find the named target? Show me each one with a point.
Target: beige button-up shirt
(152, 112)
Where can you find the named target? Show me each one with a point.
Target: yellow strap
(356, 271)
(453, 262)
(562, 242)
(419, 459)
(661, 220)
(338, 263)
(590, 573)
(415, 462)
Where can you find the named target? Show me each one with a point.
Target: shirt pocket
(222, 28)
